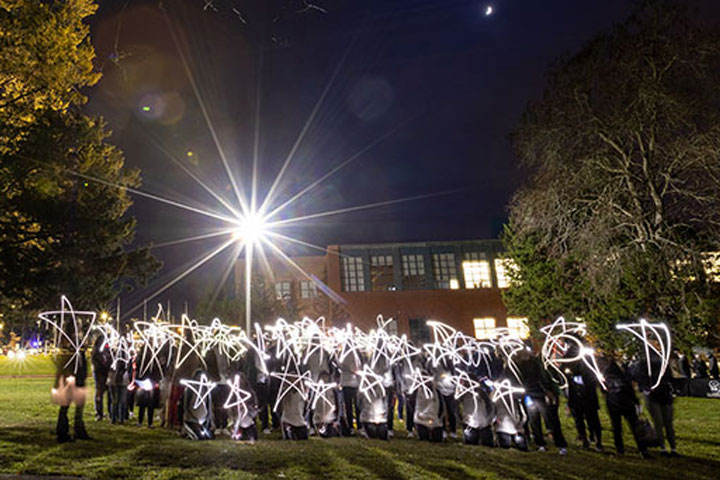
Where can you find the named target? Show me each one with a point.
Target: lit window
(282, 290)
(308, 289)
(503, 267)
(518, 327)
(381, 272)
(484, 328)
(413, 268)
(353, 276)
(444, 270)
(476, 271)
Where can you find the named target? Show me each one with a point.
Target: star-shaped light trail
(201, 389)
(76, 340)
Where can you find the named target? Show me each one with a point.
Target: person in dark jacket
(101, 361)
(541, 401)
(584, 405)
(621, 403)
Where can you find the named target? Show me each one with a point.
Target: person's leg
(400, 404)
(485, 435)
(668, 413)
(579, 418)
(262, 392)
(471, 436)
(151, 414)
(79, 423)
(436, 435)
(535, 421)
(655, 411)
(552, 421)
(616, 421)
(141, 415)
(631, 416)
(423, 432)
(593, 421)
(390, 407)
(123, 395)
(382, 431)
(410, 412)
(99, 382)
(521, 442)
(451, 411)
(62, 429)
(349, 399)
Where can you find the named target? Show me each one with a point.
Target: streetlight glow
(252, 228)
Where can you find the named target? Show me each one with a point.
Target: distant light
(21, 355)
(11, 354)
(85, 184)
(489, 10)
(454, 284)
(104, 316)
(146, 108)
(190, 153)
(252, 228)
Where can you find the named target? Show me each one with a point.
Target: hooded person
(197, 407)
(101, 362)
(328, 409)
(242, 407)
(511, 417)
(374, 410)
(477, 413)
(292, 416)
(428, 407)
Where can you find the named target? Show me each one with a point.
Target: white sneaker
(410, 435)
(562, 451)
(391, 434)
(362, 433)
(453, 435)
(267, 431)
(542, 449)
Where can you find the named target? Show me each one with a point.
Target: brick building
(457, 283)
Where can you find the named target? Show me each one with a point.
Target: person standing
(349, 365)
(584, 405)
(659, 402)
(621, 403)
(101, 360)
(70, 387)
(541, 401)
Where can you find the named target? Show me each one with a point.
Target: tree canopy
(622, 212)
(61, 231)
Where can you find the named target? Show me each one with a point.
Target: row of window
(283, 289)
(476, 272)
(485, 327)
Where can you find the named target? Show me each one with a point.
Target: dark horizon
(445, 83)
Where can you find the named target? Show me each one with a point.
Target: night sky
(439, 82)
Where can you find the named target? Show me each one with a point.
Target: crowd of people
(305, 379)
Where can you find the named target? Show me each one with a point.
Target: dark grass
(27, 445)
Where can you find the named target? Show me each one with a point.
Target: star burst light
(252, 222)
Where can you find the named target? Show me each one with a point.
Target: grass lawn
(27, 446)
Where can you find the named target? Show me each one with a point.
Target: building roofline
(487, 242)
